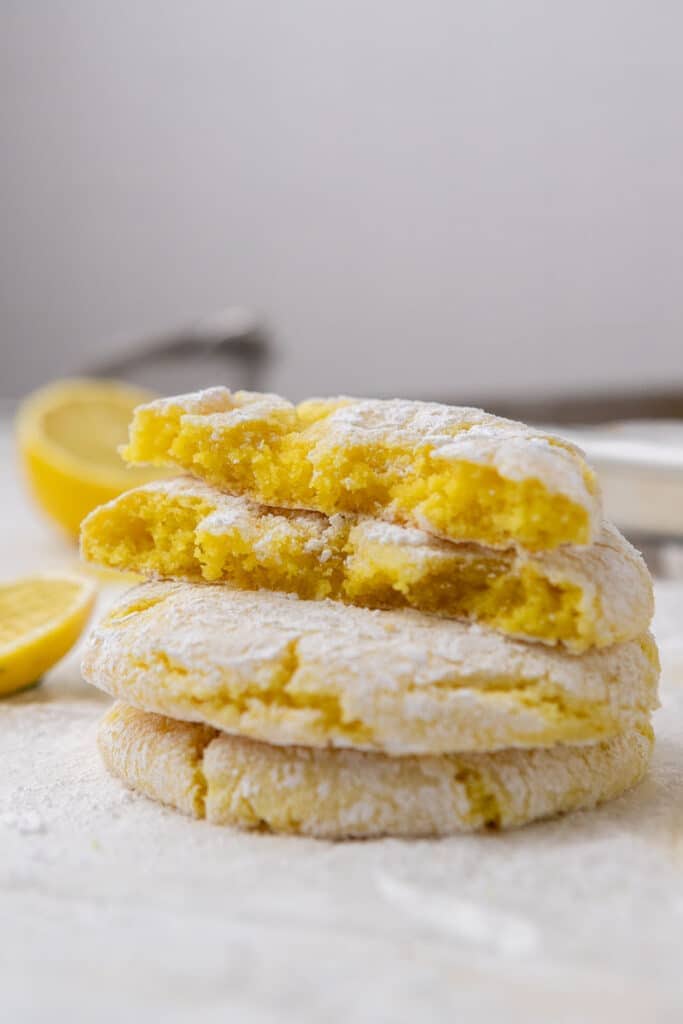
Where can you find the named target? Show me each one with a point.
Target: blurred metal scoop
(230, 347)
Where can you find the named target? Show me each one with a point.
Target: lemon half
(68, 434)
(41, 618)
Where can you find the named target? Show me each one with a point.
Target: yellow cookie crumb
(456, 472)
(580, 597)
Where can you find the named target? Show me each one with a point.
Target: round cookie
(457, 472)
(320, 673)
(581, 597)
(335, 794)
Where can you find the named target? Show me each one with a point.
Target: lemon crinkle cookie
(337, 794)
(456, 472)
(578, 596)
(321, 673)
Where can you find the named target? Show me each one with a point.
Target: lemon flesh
(41, 618)
(68, 435)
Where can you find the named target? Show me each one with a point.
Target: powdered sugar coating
(455, 433)
(342, 793)
(319, 673)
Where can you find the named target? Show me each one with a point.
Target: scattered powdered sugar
(226, 519)
(291, 775)
(26, 822)
(402, 536)
(503, 934)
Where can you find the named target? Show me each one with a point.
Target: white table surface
(114, 908)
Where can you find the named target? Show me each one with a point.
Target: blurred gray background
(462, 199)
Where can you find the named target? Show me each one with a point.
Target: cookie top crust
(320, 673)
(336, 794)
(439, 467)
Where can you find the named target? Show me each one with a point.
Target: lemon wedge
(69, 433)
(41, 618)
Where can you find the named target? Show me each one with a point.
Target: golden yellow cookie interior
(188, 530)
(477, 479)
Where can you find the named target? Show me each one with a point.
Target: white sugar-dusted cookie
(321, 673)
(456, 472)
(337, 794)
(183, 528)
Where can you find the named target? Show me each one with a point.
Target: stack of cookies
(368, 618)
